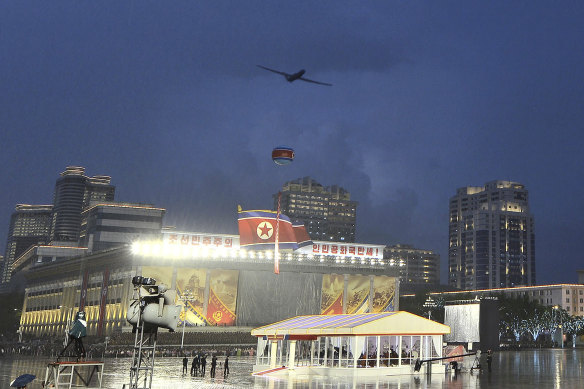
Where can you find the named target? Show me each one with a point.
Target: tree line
(522, 322)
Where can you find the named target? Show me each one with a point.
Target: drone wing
(315, 82)
(272, 70)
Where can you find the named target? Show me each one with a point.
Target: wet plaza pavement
(546, 368)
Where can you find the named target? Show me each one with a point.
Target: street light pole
(186, 297)
(558, 309)
(67, 325)
(561, 330)
(430, 304)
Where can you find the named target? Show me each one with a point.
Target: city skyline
(427, 98)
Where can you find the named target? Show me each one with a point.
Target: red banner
(102, 302)
(83, 294)
(336, 307)
(217, 312)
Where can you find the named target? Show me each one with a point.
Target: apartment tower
(491, 237)
(328, 213)
(29, 225)
(74, 192)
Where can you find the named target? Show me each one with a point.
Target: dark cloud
(166, 98)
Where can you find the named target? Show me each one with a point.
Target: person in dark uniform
(489, 358)
(213, 366)
(203, 364)
(185, 365)
(226, 367)
(194, 366)
(76, 333)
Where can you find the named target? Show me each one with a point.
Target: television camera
(152, 305)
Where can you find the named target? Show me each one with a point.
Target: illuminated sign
(332, 249)
(201, 240)
(344, 250)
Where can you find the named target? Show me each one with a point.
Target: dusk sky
(165, 97)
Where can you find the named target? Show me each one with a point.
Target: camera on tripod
(153, 304)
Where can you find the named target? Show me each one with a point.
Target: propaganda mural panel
(384, 293)
(333, 286)
(358, 294)
(222, 297)
(162, 274)
(190, 284)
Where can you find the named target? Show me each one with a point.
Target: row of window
(88, 303)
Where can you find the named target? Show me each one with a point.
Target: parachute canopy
(283, 155)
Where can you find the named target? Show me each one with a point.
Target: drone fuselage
(295, 76)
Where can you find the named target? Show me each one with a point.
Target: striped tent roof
(384, 323)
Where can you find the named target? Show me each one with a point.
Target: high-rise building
(29, 225)
(328, 213)
(491, 237)
(74, 191)
(418, 269)
(113, 224)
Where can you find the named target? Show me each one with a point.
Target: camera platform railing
(61, 375)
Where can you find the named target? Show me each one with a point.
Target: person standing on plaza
(194, 366)
(489, 359)
(203, 364)
(226, 367)
(213, 366)
(185, 365)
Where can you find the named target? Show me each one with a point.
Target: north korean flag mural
(257, 231)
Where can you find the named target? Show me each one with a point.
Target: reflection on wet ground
(511, 369)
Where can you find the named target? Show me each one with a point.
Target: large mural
(222, 297)
(333, 286)
(162, 274)
(360, 297)
(384, 293)
(358, 294)
(190, 289)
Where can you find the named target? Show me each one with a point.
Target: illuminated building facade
(567, 296)
(418, 269)
(74, 192)
(112, 224)
(328, 213)
(29, 225)
(226, 285)
(491, 237)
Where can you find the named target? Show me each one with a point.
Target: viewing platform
(63, 375)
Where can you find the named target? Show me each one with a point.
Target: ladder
(142, 366)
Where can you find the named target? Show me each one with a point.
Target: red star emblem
(265, 230)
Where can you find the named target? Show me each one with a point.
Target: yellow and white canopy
(363, 324)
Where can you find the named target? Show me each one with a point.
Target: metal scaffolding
(142, 366)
